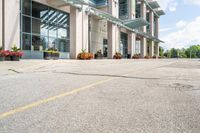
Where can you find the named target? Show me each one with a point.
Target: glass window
(26, 42)
(39, 43)
(26, 7)
(52, 42)
(62, 45)
(52, 30)
(44, 41)
(39, 27)
(62, 33)
(44, 27)
(39, 11)
(26, 24)
(52, 16)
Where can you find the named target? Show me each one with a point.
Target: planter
(47, 55)
(55, 56)
(15, 58)
(85, 56)
(117, 56)
(51, 55)
(98, 56)
(136, 57)
(2, 58)
(147, 57)
(7, 58)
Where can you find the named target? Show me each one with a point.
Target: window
(26, 24)
(26, 43)
(43, 27)
(26, 4)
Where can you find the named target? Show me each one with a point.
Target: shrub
(117, 55)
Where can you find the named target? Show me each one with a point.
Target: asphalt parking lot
(100, 96)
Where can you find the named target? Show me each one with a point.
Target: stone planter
(98, 56)
(55, 56)
(2, 58)
(7, 58)
(15, 58)
(51, 55)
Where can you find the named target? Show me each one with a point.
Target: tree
(161, 51)
(193, 51)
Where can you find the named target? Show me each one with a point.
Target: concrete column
(1, 30)
(113, 39)
(12, 23)
(157, 27)
(143, 14)
(113, 30)
(151, 23)
(144, 29)
(143, 48)
(151, 49)
(78, 31)
(131, 43)
(157, 50)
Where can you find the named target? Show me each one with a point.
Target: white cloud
(172, 6)
(184, 37)
(181, 24)
(194, 2)
(164, 3)
(164, 29)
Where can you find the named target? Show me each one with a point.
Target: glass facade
(123, 9)
(43, 27)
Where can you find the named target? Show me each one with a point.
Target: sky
(180, 27)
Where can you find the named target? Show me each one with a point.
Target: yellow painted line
(43, 101)
(34, 104)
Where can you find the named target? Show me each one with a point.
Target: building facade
(126, 26)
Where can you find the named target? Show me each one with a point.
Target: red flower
(18, 54)
(6, 53)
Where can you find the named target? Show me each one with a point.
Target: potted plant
(98, 55)
(51, 53)
(136, 56)
(154, 57)
(117, 55)
(147, 57)
(7, 55)
(15, 54)
(85, 55)
(2, 55)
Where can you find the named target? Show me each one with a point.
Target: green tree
(193, 51)
(161, 51)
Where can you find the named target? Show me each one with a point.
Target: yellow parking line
(37, 103)
(34, 104)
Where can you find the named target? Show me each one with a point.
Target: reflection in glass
(39, 11)
(26, 24)
(26, 42)
(62, 32)
(52, 42)
(26, 7)
(62, 45)
(39, 27)
(50, 27)
(39, 43)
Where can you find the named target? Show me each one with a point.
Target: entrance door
(105, 47)
(124, 45)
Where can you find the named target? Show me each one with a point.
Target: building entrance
(124, 45)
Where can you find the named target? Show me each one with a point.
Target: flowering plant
(6, 53)
(85, 55)
(17, 54)
(117, 55)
